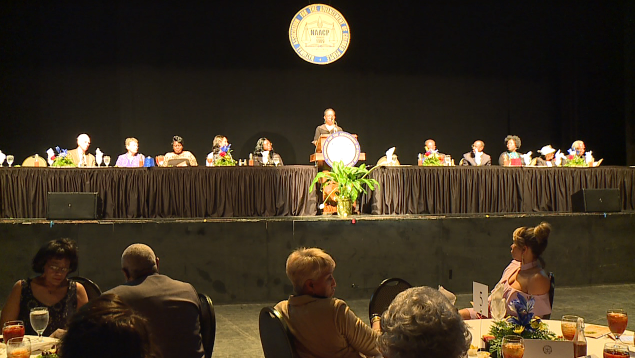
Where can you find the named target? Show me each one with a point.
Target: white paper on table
(479, 297)
(626, 339)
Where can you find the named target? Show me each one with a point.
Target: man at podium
(329, 126)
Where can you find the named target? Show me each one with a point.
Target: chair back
(31, 162)
(92, 290)
(384, 294)
(274, 334)
(552, 292)
(208, 323)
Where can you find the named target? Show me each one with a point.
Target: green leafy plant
(62, 159)
(431, 158)
(350, 181)
(225, 157)
(575, 161)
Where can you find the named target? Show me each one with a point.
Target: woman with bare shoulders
(525, 274)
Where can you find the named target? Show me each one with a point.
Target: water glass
(107, 160)
(276, 161)
(98, 159)
(19, 347)
(513, 347)
(10, 159)
(568, 326)
(447, 160)
(39, 320)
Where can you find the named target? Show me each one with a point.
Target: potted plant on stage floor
(347, 183)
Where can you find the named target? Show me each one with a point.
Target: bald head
(83, 142)
(139, 260)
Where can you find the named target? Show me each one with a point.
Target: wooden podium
(330, 206)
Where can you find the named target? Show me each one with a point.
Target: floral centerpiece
(431, 158)
(525, 325)
(62, 159)
(575, 160)
(224, 157)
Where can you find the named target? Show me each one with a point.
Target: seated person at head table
(547, 158)
(525, 274)
(132, 158)
(511, 156)
(80, 155)
(51, 289)
(431, 146)
(330, 126)
(322, 326)
(477, 157)
(181, 157)
(421, 322)
(579, 148)
(219, 145)
(264, 153)
(106, 327)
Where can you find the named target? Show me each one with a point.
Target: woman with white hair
(321, 325)
(547, 158)
(421, 322)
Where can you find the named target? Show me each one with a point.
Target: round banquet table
(479, 327)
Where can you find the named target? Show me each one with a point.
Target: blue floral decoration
(525, 316)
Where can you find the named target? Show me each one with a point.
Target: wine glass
(615, 350)
(107, 160)
(12, 329)
(19, 347)
(513, 347)
(10, 159)
(98, 159)
(568, 326)
(276, 161)
(618, 319)
(265, 160)
(39, 320)
(210, 161)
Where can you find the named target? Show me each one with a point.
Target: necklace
(530, 265)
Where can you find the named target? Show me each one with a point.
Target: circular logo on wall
(319, 34)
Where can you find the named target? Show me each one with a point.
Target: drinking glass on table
(513, 347)
(39, 320)
(615, 350)
(618, 319)
(107, 160)
(10, 159)
(12, 329)
(276, 161)
(567, 325)
(19, 347)
(98, 159)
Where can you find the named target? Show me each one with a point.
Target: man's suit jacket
(468, 159)
(74, 154)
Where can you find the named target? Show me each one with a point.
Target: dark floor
(237, 325)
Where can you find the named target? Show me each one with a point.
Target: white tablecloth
(595, 346)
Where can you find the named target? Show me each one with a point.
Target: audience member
(477, 157)
(179, 157)
(132, 158)
(264, 153)
(54, 261)
(104, 328)
(525, 274)
(421, 322)
(511, 157)
(330, 125)
(321, 325)
(171, 307)
(80, 155)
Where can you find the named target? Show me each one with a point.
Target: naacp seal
(319, 34)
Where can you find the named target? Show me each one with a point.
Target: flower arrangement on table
(62, 159)
(575, 160)
(224, 157)
(431, 158)
(524, 325)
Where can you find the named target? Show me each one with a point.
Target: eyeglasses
(59, 269)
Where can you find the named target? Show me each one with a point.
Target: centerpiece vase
(344, 206)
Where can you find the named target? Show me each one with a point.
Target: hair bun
(542, 231)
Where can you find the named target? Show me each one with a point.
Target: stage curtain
(495, 189)
(165, 192)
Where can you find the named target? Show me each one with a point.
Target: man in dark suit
(477, 157)
(170, 306)
(80, 155)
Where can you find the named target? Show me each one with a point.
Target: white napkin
(265, 156)
(559, 157)
(389, 153)
(527, 157)
(497, 303)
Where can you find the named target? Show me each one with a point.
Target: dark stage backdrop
(550, 73)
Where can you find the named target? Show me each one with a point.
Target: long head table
(165, 192)
(494, 189)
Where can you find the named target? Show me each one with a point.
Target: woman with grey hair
(511, 157)
(421, 322)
